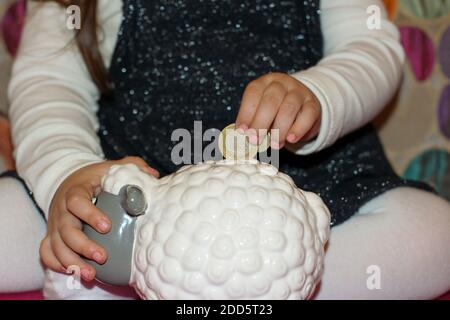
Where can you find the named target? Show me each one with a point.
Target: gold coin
(265, 144)
(235, 145)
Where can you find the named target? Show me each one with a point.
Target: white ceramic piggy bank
(221, 230)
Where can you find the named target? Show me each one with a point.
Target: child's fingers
(268, 108)
(312, 133)
(47, 256)
(69, 258)
(305, 120)
(151, 171)
(76, 240)
(250, 101)
(140, 163)
(79, 203)
(286, 116)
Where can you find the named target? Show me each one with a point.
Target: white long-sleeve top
(53, 100)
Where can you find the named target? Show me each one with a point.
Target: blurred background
(415, 128)
(5, 58)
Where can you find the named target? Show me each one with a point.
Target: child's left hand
(279, 101)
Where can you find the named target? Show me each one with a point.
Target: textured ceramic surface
(225, 230)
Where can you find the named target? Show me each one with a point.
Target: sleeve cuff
(52, 177)
(325, 137)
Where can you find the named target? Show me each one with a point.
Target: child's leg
(405, 235)
(21, 230)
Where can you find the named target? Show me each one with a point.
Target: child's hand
(65, 242)
(279, 101)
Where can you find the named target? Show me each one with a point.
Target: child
(312, 69)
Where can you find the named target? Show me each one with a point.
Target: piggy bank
(214, 230)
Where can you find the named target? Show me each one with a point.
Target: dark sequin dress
(179, 61)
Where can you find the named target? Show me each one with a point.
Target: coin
(265, 144)
(235, 145)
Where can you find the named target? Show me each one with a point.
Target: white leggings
(396, 247)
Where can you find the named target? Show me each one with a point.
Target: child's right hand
(72, 203)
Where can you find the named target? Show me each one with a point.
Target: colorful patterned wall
(415, 129)
(5, 58)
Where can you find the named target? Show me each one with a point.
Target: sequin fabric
(182, 61)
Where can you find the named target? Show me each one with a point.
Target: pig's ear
(133, 200)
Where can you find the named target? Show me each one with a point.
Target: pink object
(32, 295)
(12, 24)
(419, 50)
(445, 296)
